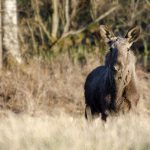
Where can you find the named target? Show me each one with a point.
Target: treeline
(48, 27)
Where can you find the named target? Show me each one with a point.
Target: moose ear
(133, 34)
(106, 33)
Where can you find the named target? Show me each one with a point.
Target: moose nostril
(119, 77)
(110, 43)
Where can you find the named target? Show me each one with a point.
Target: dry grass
(42, 107)
(42, 86)
(64, 132)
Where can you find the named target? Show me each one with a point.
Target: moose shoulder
(113, 86)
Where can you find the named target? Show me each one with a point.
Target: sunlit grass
(64, 132)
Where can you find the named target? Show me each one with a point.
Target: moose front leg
(131, 94)
(126, 105)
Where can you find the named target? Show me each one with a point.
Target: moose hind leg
(104, 116)
(88, 113)
(104, 112)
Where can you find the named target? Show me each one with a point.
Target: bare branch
(94, 22)
(40, 21)
(55, 19)
(147, 2)
(86, 27)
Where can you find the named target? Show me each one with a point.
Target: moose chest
(122, 79)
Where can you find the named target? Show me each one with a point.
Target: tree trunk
(67, 16)
(1, 49)
(55, 18)
(10, 29)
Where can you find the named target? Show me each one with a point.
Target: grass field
(65, 132)
(42, 108)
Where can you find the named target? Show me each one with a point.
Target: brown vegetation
(48, 87)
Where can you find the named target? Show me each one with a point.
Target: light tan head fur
(122, 44)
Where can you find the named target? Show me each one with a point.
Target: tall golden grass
(64, 132)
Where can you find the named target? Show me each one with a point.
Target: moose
(113, 87)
